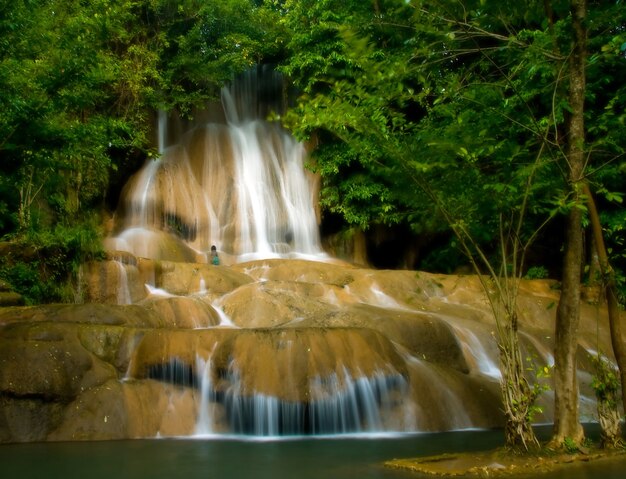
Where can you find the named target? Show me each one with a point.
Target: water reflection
(329, 458)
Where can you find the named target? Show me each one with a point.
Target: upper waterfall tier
(240, 185)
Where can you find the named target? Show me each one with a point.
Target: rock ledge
(500, 463)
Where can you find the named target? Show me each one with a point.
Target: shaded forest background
(426, 117)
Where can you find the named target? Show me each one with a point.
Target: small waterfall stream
(123, 291)
(476, 350)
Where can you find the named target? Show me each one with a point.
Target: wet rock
(9, 298)
(189, 278)
(28, 419)
(4, 286)
(278, 363)
(89, 313)
(183, 312)
(330, 273)
(275, 303)
(96, 414)
(116, 281)
(60, 366)
(46, 366)
(157, 409)
(305, 333)
(150, 243)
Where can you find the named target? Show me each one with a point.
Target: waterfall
(240, 184)
(204, 423)
(161, 130)
(339, 404)
(443, 400)
(224, 319)
(123, 291)
(476, 352)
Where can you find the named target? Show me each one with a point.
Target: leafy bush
(605, 383)
(43, 266)
(536, 272)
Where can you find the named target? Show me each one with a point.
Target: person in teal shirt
(215, 259)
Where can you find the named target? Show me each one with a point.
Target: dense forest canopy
(424, 115)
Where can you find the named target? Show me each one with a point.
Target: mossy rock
(10, 298)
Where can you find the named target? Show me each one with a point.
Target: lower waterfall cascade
(269, 348)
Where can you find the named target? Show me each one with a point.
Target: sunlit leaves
(469, 97)
(80, 82)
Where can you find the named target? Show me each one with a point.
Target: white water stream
(241, 185)
(352, 403)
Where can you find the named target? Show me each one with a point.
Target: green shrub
(43, 266)
(536, 272)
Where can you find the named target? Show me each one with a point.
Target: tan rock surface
(102, 370)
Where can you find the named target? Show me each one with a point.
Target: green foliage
(44, 266)
(536, 272)
(81, 80)
(606, 382)
(614, 223)
(398, 96)
(389, 126)
(540, 385)
(571, 447)
(607, 388)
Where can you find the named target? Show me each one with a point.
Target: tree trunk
(566, 419)
(566, 423)
(608, 282)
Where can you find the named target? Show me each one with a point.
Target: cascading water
(338, 404)
(276, 347)
(123, 293)
(476, 352)
(239, 184)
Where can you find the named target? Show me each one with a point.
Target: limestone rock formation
(266, 347)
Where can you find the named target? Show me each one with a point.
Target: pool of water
(236, 458)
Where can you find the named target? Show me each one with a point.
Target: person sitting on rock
(215, 259)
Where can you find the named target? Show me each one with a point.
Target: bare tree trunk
(566, 423)
(566, 418)
(608, 282)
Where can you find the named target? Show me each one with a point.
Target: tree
(607, 59)
(438, 148)
(472, 104)
(606, 383)
(566, 418)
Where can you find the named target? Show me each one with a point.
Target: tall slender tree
(566, 417)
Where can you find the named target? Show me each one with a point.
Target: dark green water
(321, 458)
